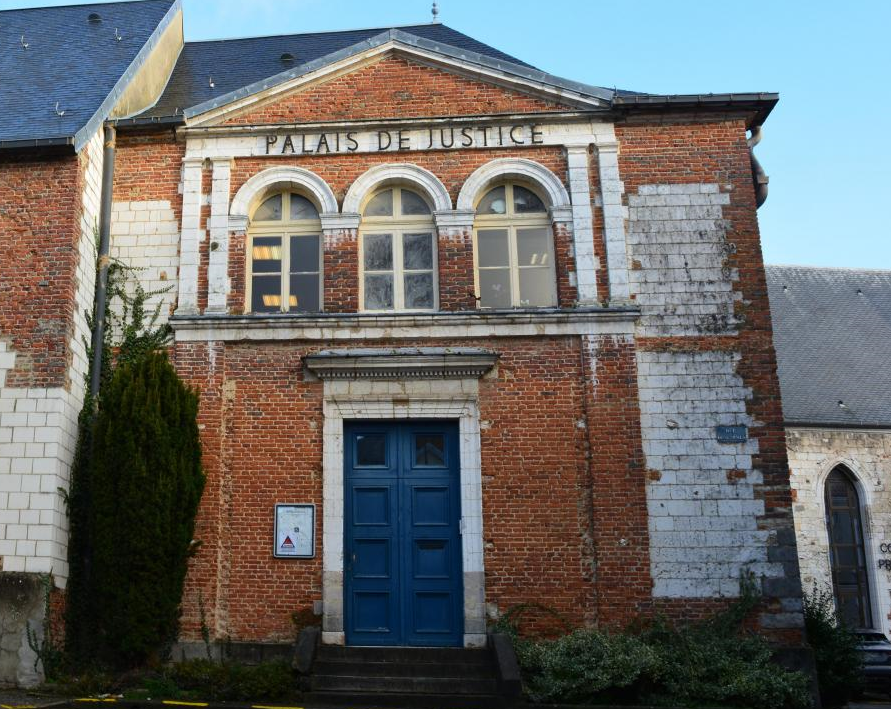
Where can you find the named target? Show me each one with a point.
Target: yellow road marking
(171, 702)
(264, 706)
(91, 699)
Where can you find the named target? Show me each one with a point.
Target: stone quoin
(485, 319)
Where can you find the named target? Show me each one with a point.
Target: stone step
(398, 700)
(414, 655)
(344, 667)
(418, 684)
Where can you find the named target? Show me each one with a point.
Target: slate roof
(235, 63)
(832, 334)
(70, 61)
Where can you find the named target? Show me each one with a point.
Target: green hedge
(713, 663)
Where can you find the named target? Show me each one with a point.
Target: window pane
(371, 449)
(379, 291)
(377, 252)
(304, 295)
(270, 210)
(413, 203)
(536, 287)
(304, 254)
(526, 202)
(493, 202)
(381, 205)
(418, 253)
(302, 208)
(532, 247)
(492, 245)
(266, 254)
(419, 290)
(495, 288)
(430, 449)
(266, 294)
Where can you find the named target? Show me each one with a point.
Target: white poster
(295, 531)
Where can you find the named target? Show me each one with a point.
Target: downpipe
(760, 179)
(101, 296)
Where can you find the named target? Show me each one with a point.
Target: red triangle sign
(288, 544)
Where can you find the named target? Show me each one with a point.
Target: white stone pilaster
(218, 226)
(583, 239)
(615, 213)
(190, 238)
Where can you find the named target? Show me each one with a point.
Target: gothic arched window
(847, 558)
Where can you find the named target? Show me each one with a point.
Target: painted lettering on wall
(442, 138)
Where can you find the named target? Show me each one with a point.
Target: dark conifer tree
(146, 482)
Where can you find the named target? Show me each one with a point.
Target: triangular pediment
(396, 79)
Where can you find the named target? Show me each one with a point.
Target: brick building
(831, 332)
(507, 334)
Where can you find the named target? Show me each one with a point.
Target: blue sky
(826, 147)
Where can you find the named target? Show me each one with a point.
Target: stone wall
(22, 613)
(814, 453)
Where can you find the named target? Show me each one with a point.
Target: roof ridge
(83, 4)
(379, 29)
(828, 268)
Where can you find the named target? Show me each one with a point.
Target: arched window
(847, 558)
(514, 249)
(398, 253)
(284, 255)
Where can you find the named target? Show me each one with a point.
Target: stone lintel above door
(401, 363)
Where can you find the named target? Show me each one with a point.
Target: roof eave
(107, 106)
(759, 105)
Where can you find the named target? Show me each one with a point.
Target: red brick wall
(261, 431)
(148, 168)
(40, 210)
(394, 87)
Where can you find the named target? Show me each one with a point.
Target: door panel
(402, 544)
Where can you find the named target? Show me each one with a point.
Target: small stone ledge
(401, 363)
(190, 327)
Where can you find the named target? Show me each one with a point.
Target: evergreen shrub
(837, 659)
(712, 663)
(146, 481)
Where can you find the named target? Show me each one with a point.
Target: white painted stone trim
(339, 222)
(395, 173)
(438, 399)
(218, 225)
(411, 327)
(191, 237)
(455, 219)
(583, 236)
(283, 177)
(250, 141)
(615, 215)
(506, 168)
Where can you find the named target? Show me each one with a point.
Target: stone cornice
(401, 363)
(409, 326)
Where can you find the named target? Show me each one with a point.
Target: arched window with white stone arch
(397, 237)
(283, 211)
(515, 203)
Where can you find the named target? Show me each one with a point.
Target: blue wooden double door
(402, 550)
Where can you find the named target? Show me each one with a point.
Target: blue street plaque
(731, 434)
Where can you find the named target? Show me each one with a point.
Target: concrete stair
(405, 677)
